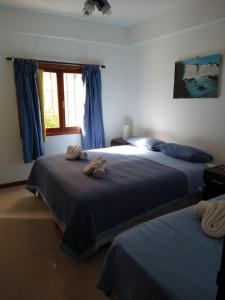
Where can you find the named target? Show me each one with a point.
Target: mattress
(166, 258)
(91, 208)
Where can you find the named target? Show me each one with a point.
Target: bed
(166, 258)
(137, 183)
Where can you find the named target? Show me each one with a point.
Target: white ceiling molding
(124, 12)
(133, 45)
(182, 19)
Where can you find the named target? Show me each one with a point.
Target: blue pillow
(145, 142)
(184, 152)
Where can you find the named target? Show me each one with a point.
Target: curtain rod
(55, 62)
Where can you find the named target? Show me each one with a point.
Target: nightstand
(215, 182)
(118, 142)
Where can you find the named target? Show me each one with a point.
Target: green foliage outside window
(51, 120)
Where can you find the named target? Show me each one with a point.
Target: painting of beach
(197, 77)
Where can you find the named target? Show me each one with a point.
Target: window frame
(59, 69)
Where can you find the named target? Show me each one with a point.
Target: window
(64, 96)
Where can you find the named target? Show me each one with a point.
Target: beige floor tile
(38, 279)
(54, 275)
(9, 288)
(92, 295)
(30, 237)
(26, 225)
(77, 278)
(6, 255)
(18, 203)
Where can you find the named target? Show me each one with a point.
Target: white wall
(22, 36)
(59, 27)
(183, 18)
(198, 122)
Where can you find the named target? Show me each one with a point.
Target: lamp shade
(126, 131)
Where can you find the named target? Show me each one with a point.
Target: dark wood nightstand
(118, 142)
(215, 182)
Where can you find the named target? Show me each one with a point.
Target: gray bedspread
(168, 258)
(91, 207)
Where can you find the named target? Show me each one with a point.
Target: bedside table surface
(119, 139)
(215, 181)
(118, 142)
(219, 170)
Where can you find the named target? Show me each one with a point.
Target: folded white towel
(213, 217)
(70, 149)
(73, 152)
(99, 172)
(200, 209)
(93, 165)
(213, 221)
(83, 155)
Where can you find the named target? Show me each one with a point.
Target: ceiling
(124, 12)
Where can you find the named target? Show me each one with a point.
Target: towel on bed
(75, 152)
(213, 217)
(99, 172)
(83, 155)
(93, 166)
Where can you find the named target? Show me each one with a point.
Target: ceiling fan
(102, 5)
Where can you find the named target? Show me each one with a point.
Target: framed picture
(197, 77)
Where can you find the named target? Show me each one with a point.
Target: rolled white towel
(213, 221)
(70, 149)
(73, 152)
(83, 155)
(93, 165)
(200, 208)
(99, 172)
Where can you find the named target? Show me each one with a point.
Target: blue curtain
(29, 108)
(93, 133)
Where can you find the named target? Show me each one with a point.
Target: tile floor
(32, 265)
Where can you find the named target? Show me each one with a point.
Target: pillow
(145, 142)
(184, 152)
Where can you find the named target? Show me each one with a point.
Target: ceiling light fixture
(102, 5)
(89, 7)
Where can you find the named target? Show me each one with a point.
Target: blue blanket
(90, 207)
(167, 258)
